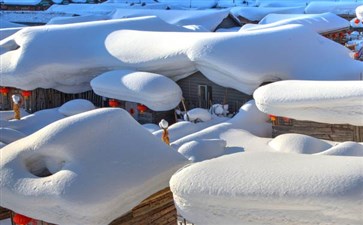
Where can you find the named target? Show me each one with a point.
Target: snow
(271, 188)
(157, 92)
(359, 12)
(198, 114)
(339, 8)
(75, 53)
(209, 19)
(191, 3)
(335, 102)
(200, 150)
(320, 23)
(21, 2)
(77, 19)
(257, 13)
(84, 153)
(76, 106)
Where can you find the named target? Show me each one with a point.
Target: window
(204, 96)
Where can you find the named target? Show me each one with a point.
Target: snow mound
(335, 102)
(345, 149)
(271, 188)
(157, 92)
(198, 114)
(359, 12)
(298, 143)
(339, 8)
(7, 24)
(191, 3)
(74, 55)
(257, 13)
(200, 150)
(76, 106)
(45, 174)
(77, 19)
(151, 127)
(208, 19)
(320, 23)
(9, 114)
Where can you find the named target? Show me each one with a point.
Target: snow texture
(76, 106)
(257, 13)
(359, 12)
(209, 19)
(335, 102)
(21, 2)
(191, 3)
(198, 114)
(339, 8)
(86, 169)
(200, 150)
(321, 23)
(271, 188)
(157, 92)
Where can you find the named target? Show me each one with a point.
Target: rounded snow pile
(85, 169)
(199, 150)
(336, 102)
(271, 188)
(76, 106)
(157, 92)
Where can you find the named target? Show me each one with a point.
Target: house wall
(220, 95)
(332, 132)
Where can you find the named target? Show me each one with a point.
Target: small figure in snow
(16, 106)
(164, 125)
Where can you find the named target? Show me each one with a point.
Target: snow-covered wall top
(336, 102)
(21, 2)
(209, 19)
(359, 12)
(340, 8)
(191, 3)
(321, 23)
(70, 59)
(86, 169)
(85, 9)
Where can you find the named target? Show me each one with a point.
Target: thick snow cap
(239, 60)
(157, 92)
(257, 13)
(86, 169)
(359, 12)
(271, 188)
(335, 102)
(320, 23)
(339, 8)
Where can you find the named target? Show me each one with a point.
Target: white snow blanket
(6, 32)
(257, 13)
(200, 150)
(77, 19)
(339, 8)
(86, 9)
(209, 19)
(248, 118)
(198, 114)
(74, 53)
(320, 23)
(85, 169)
(21, 2)
(335, 102)
(285, 3)
(191, 3)
(76, 106)
(9, 114)
(359, 12)
(7, 24)
(72, 58)
(157, 92)
(271, 188)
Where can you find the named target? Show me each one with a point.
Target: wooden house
(331, 132)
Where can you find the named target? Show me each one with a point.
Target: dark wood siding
(220, 95)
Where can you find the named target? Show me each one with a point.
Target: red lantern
(141, 108)
(272, 118)
(132, 111)
(4, 91)
(285, 119)
(21, 219)
(356, 21)
(356, 55)
(334, 35)
(113, 103)
(26, 94)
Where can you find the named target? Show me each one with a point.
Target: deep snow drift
(232, 60)
(336, 102)
(86, 169)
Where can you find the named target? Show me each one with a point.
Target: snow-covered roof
(209, 19)
(321, 23)
(21, 2)
(157, 92)
(86, 169)
(191, 3)
(86, 9)
(359, 11)
(335, 102)
(270, 188)
(257, 13)
(339, 8)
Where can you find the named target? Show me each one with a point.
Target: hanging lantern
(21, 219)
(356, 21)
(272, 118)
(356, 55)
(113, 103)
(26, 94)
(4, 91)
(141, 108)
(334, 35)
(286, 120)
(132, 111)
